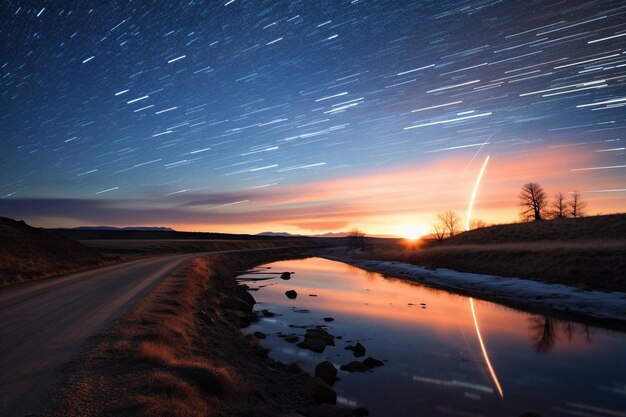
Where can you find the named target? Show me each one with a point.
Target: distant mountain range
(144, 229)
(169, 229)
(285, 234)
(336, 234)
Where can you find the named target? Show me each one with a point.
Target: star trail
(301, 115)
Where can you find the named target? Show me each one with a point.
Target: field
(588, 252)
(29, 253)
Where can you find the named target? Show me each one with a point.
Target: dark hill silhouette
(611, 226)
(151, 229)
(28, 253)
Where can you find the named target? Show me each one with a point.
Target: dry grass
(28, 253)
(151, 247)
(169, 396)
(586, 252)
(166, 359)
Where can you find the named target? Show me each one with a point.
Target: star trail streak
(150, 105)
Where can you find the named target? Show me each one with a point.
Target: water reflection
(545, 331)
(484, 349)
(444, 353)
(542, 333)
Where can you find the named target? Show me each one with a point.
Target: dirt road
(44, 326)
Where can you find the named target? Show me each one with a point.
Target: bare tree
(356, 239)
(559, 206)
(450, 221)
(438, 231)
(477, 224)
(577, 205)
(533, 201)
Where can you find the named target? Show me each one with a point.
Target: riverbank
(181, 353)
(588, 252)
(607, 309)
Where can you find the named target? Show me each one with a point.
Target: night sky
(306, 116)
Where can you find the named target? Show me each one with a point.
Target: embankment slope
(28, 253)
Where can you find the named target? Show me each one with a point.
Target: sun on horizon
(411, 232)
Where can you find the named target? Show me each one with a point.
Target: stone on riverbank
(321, 392)
(326, 371)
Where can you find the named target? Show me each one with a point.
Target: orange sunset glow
(399, 201)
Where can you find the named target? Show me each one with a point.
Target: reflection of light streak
(471, 202)
(453, 383)
(482, 346)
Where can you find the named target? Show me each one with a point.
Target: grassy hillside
(611, 226)
(28, 253)
(588, 252)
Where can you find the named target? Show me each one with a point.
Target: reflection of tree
(543, 333)
(569, 330)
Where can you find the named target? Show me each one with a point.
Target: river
(444, 354)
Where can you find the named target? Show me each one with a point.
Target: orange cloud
(381, 202)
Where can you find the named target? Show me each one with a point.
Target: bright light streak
(456, 119)
(471, 202)
(607, 38)
(597, 168)
(482, 346)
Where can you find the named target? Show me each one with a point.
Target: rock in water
(286, 275)
(321, 392)
(317, 340)
(366, 365)
(372, 362)
(358, 350)
(326, 371)
(260, 335)
(354, 366)
(291, 294)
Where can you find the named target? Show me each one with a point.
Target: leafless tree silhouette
(577, 205)
(477, 224)
(356, 239)
(533, 201)
(450, 221)
(559, 206)
(438, 231)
